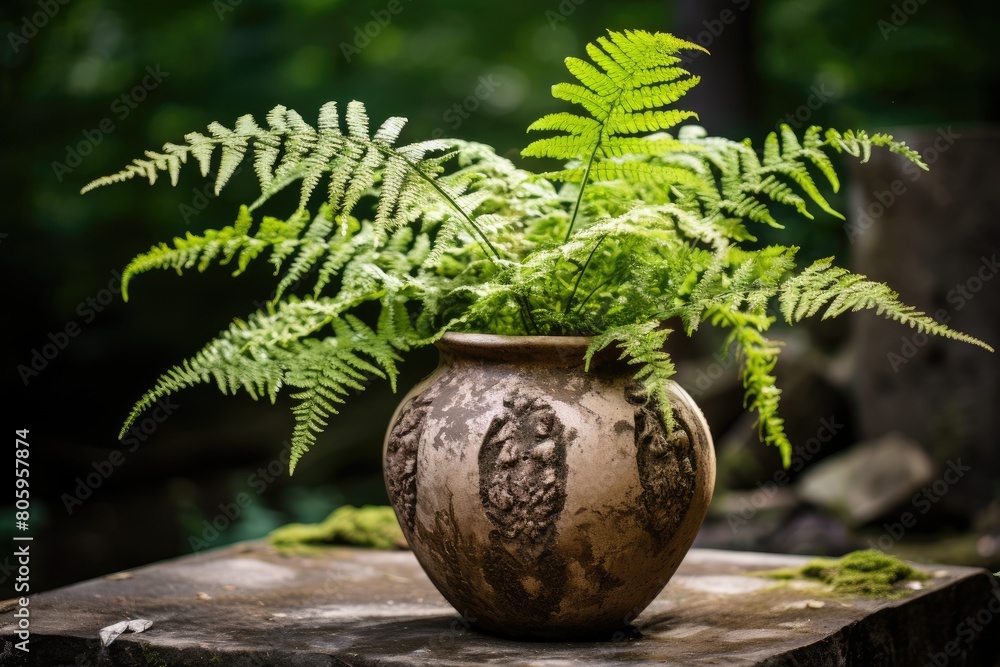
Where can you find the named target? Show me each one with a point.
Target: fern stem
(484, 241)
(525, 307)
(476, 229)
(586, 172)
(583, 270)
(579, 195)
(592, 293)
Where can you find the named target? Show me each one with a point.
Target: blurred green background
(89, 84)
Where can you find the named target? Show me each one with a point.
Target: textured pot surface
(544, 501)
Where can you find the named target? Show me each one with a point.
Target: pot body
(545, 502)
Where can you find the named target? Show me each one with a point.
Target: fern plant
(647, 221)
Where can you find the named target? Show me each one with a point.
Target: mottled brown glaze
(666, 462)
(545, 502)
(401, 460)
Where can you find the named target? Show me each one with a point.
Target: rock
(784, 526)
(869, 480)
(809, 532)
(744, 519)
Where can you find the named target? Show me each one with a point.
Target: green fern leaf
(636, 77)
(759, 356)
(270, 352)
(642, 345)
(823, 285)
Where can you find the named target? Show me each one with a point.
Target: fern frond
(354, 163)
(313, 246)
(759, 356)
(747, 182)
(859, 144)
(326, 371)
(282, 238)
(708, 291)
(642, 345)
(199, 251)
(271, 352)
(635, 76)
(621, 99)
(228, 361)
(823, 285)
(632, 171)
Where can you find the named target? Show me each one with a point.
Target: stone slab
(249, 605)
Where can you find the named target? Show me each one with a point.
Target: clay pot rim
(554, 350)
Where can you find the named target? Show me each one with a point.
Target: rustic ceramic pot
(545, 502)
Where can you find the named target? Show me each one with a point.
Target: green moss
(368, 526)
(869, 573)
(784, 573)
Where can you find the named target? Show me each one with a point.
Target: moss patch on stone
(369, 526)
(869, 573)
